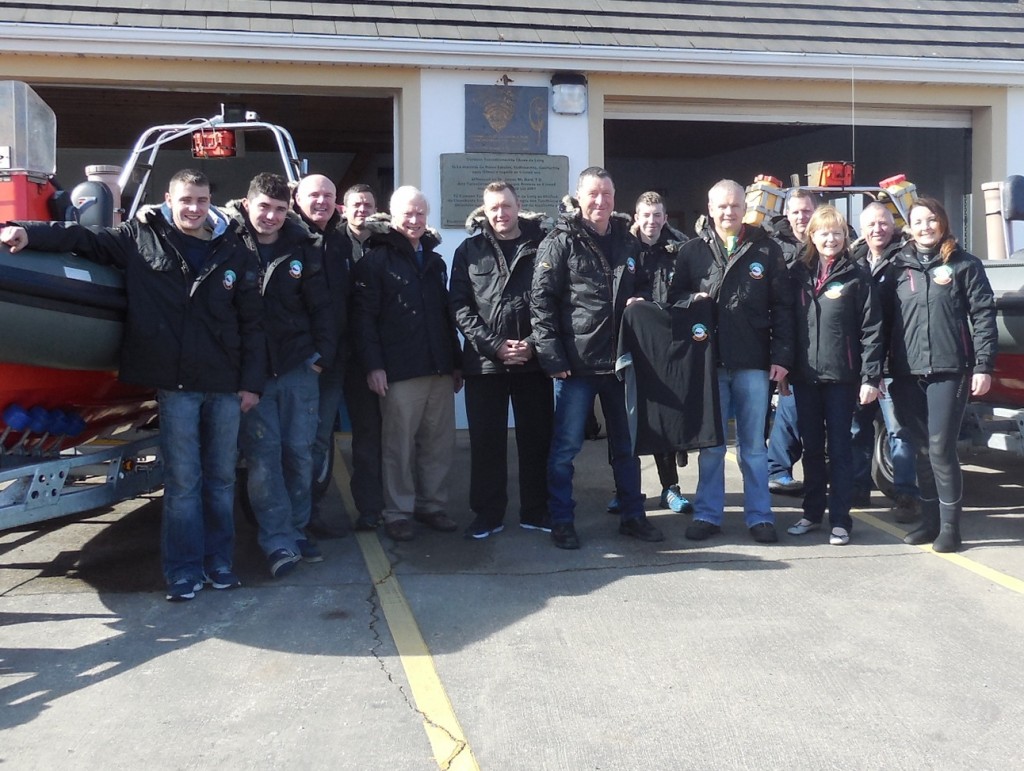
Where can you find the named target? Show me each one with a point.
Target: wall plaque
(540, 181)
(506, 119)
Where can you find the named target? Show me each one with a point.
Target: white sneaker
(803, 526)
(839, 537)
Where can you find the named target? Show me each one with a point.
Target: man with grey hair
(587, 271)
(784, 445)
(407, 342)
(874, 250)
(741, 270)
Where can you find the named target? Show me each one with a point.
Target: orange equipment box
(830, 174)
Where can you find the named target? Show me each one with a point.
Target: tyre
(881, 461)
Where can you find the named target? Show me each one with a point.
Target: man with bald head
(316, 204)
(409, 348)
(879, 242)
(741, 270)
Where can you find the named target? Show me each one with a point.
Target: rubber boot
(948, 539)
(928, 530)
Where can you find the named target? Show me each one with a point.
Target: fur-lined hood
(217, 219)
(477, 220)
(379, 225)
(672, 244)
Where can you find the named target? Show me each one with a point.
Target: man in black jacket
(742, 271)
(587, 271)
(316, 205)
(301, 328)
(490, 294)
(193, 332)
(409, 347)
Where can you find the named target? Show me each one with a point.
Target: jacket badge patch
(942, 275)
(699, 332)
(631, 265)
(834, 290)
(229, 279)
(756, 270)
(295, 268)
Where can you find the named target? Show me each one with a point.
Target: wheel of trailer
(322, 475)
(881, 461)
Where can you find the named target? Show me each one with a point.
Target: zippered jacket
(838, 325)
(336, 257)
(403, 323)
(579, 294)
(490, 297)
(659, 259)
(299, 319)
(943, 315)
(183, 332)
(752, 293)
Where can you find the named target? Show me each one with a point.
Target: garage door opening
(682, 159)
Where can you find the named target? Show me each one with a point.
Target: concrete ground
(624, 655)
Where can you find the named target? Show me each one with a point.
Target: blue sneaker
(183, 589)
(222, 578)
(784, 484)
(309, 550)
(281, 562)
(672, 498)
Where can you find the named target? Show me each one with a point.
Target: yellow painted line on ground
(995, 576)
(447, 739)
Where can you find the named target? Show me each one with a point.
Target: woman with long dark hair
(941, 350)
(839, 354)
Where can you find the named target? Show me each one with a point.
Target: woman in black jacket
(941, 350)
(838, 361)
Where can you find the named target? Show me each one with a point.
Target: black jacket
(403, 323)
(297, 315)
(579, 294)
(336, 258)
(752, 293)
(490, 297)
(659, 259)
(782, 233)
(183, 332)
(943, 315)
(838, 325)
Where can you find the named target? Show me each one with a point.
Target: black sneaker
(480, 528)
(309, 550)
(183, 589)
(701, 530)
(564, 536)
(368, 520)
(222, 578)
(764, 532)
(641, 529)
(281, 562)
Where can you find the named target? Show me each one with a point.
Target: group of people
(254, 322)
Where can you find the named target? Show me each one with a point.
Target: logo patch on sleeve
(756, 270)
(229, 279)
(295, 268)
(699, 332)
(631, 265)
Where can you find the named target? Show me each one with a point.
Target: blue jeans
(824, 411)
(863, 445)
(277, 440)
(743, 393)
(784, 447)
(573, 399)
(199, 442)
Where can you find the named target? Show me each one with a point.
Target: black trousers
(487, 398)
(931, 410)
(364, 412)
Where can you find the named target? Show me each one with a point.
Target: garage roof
(992, 30)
